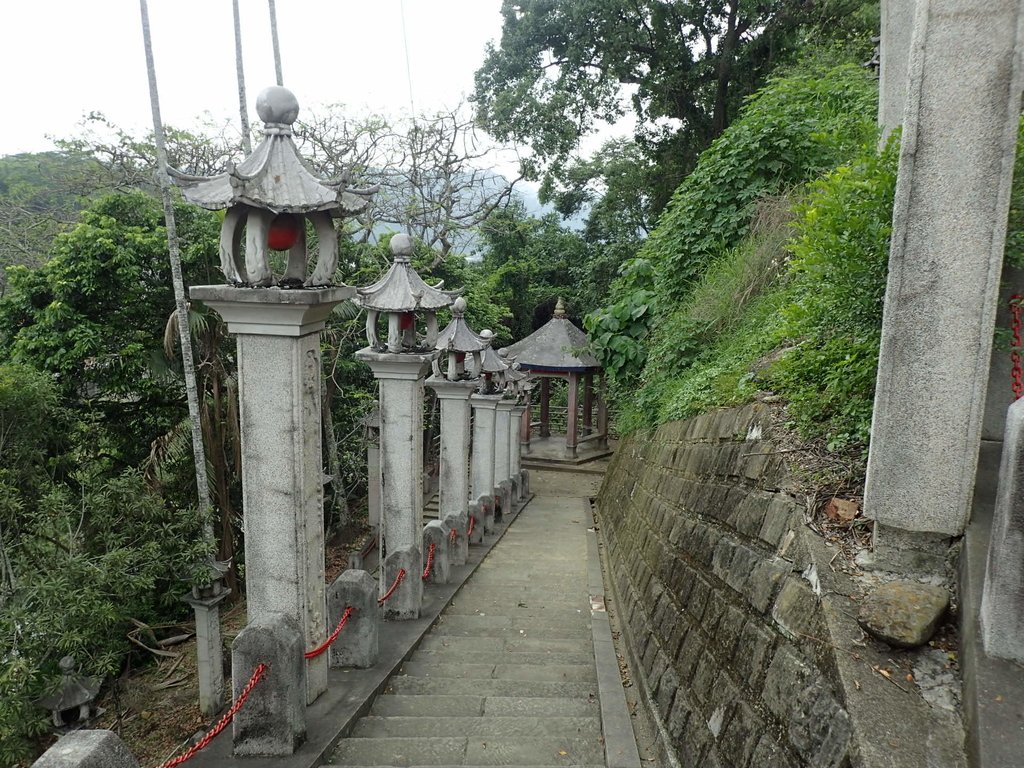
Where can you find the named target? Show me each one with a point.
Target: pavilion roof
(558, 345)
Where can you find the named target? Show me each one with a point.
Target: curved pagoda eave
(402, 290)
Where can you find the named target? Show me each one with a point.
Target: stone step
(448, 686)
(461, 751)
(502, 671)
(399, 705)
(501, 645)
(484, 728)
(448, 656)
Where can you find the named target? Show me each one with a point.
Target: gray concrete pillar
(459, 549)
(358, 644)
(373, 490)
(894, 57)
(949, 227)
(484, 411)
(282, 461)
(436, 533)
(453, 485)
(87, 749)
(503, 427)
(515, 450)
(1002, 603)
(400, 380)
(210, 666)
(272, 722)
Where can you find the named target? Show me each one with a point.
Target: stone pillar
(602, 412)
(519, 411)
(208, 651)
(502, 429)
(484, 409)
(526, 426)
(435, 533)
(400, 379)
(545, 407)
(1002, 602)
(894, 57)
(571, 416)
(949, 227)
(282, 462)
(358, 644)
(373, 491)
(453, 487)
(588, 403)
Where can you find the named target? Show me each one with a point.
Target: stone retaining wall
(718, 593)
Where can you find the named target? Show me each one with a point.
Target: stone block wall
(719, 596)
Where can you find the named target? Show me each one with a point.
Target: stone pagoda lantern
(403, 303)
(457, 369)
(270, 196)
(268, 199)
(72, 705)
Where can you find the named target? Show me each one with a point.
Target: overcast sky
(64, 58)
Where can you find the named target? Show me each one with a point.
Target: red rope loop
(430, 561)
(334, 636)
(453, 536)
(1015, 346)
(257, 675)
(472, 525)
(391, 591)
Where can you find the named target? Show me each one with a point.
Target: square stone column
(400, 378)
(894, 56)
(453, 487)
(949, 230)
(278, 335)
(482, 462)
(515, 440)
(502, 429)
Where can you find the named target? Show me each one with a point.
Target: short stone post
(435, 533)
(358, 645)
(477, 514)
(484, 410)
(404, 603)
(502, 457)
(272, 722)
(87, 749)
(208, 649)
(282, 462)
(459, 549)
(957, 154)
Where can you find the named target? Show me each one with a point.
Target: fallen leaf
(562, 752)
(841, 510)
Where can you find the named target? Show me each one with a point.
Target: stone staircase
(507, 675)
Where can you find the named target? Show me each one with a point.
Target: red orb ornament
(284, 231)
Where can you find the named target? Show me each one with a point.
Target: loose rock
(904, 614)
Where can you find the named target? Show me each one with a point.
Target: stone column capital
(486, 402)
(396, 365)
(506, 405)
(271, 311)
(452, 390)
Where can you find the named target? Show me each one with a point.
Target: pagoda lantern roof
(401, 289)
(492, 362)
(274, 177)
(457, 335)
(558, 345)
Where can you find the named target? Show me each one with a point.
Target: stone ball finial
(459, 307)
(67, 665)
(559, 308)
(277, 104)
(402, 247)
(503, 352)
(487, 335)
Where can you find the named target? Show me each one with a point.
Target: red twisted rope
(1015, 346)
(391, 591)
(453, 536)
(430, 561)
(334, 636)
(472, 525)
(257, 675)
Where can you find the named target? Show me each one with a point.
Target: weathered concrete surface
(273, 721)
(87, 749)
(453, 484)
(358, 645)
(482, 461)
(404, 602)
(894, 55)
(949, 228)
(435, 533)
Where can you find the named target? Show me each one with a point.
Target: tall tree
(681, 67)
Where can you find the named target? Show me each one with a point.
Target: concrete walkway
(507, 676)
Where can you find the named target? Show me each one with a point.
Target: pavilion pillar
(948, 236)
(400, 379)
(588, 403)
(282, 463)
(545, 407)
(571, 436)
(482, 464)
(602, 411)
